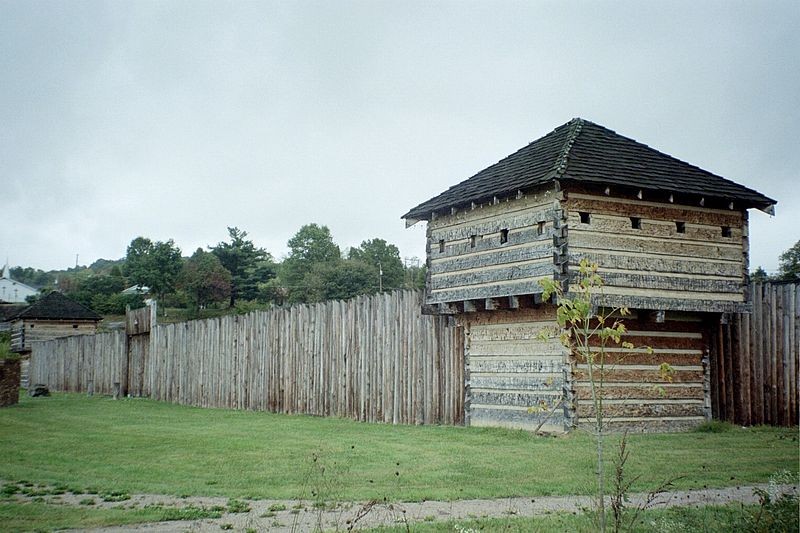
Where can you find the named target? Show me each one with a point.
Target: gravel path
(292, 515)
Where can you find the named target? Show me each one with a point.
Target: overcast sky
(177, 119)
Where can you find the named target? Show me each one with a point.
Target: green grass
(137, 445)
(781, 516)
(777, 517)
(16, 516)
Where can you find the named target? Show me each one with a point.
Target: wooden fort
(671, 241)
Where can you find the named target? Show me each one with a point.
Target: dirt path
(292, 515)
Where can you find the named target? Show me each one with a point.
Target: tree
(247, 264)
(153, 264)
(759, 276)
(94, 291)
(415, 274)
(383, 257)
(339, 280)
(587, 331)
(204, 279)
(310, 246)
(789, 269)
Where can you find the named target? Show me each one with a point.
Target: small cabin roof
(9, 310)
(56, 306)
(585, 152)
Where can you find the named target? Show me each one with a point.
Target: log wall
(498, 249)
(26, 332)
(658, 265)
(371, 358)
(637, 395)
(515, 369)
(755, 367)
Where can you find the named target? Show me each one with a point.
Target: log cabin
(671, 243)
(52, 316)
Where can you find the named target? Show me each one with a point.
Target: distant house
(137, 289)
(54, 315)
(13, 291)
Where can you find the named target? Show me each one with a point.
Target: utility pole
(380, 277)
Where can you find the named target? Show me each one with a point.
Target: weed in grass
(190, 512)
(226, 527)
(714, 426)
(277, 507)
(87, 501)
(277, 523)
(115, 496)
(9, 489)
(238, 506)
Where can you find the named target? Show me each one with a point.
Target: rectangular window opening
(540, 228)
(585, 219)
(441, 246)
(636, 223)
(726, 231)
(503, 236)
(472, 240)
(680, 227)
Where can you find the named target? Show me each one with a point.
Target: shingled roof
(56, 306)
(583, 151)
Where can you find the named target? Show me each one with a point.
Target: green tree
(415, 274)
(759, 275)
(204, 279)
(153, 264)
(248, 265)
(789, 269)
(383, 258)
(310, 246)
(339, 280)
(94, 291)
(36, 278)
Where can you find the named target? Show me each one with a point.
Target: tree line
(234, 273)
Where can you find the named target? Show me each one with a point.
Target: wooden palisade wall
(755, 362)
(371, 358)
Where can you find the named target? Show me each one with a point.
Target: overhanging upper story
(667, 235)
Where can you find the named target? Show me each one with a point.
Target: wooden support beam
(447, 309)
(513, 302)
(469, 306)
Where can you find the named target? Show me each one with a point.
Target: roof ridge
(560, 166)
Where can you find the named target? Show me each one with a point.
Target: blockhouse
(52, 316)
(671, 243)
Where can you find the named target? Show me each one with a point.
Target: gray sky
(178, 119)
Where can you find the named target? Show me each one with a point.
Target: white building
(13, 291)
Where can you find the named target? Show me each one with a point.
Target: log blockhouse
(671, 242)
(52, 316)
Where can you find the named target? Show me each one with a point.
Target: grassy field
(138, 445)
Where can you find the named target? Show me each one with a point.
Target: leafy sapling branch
(588, 331)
